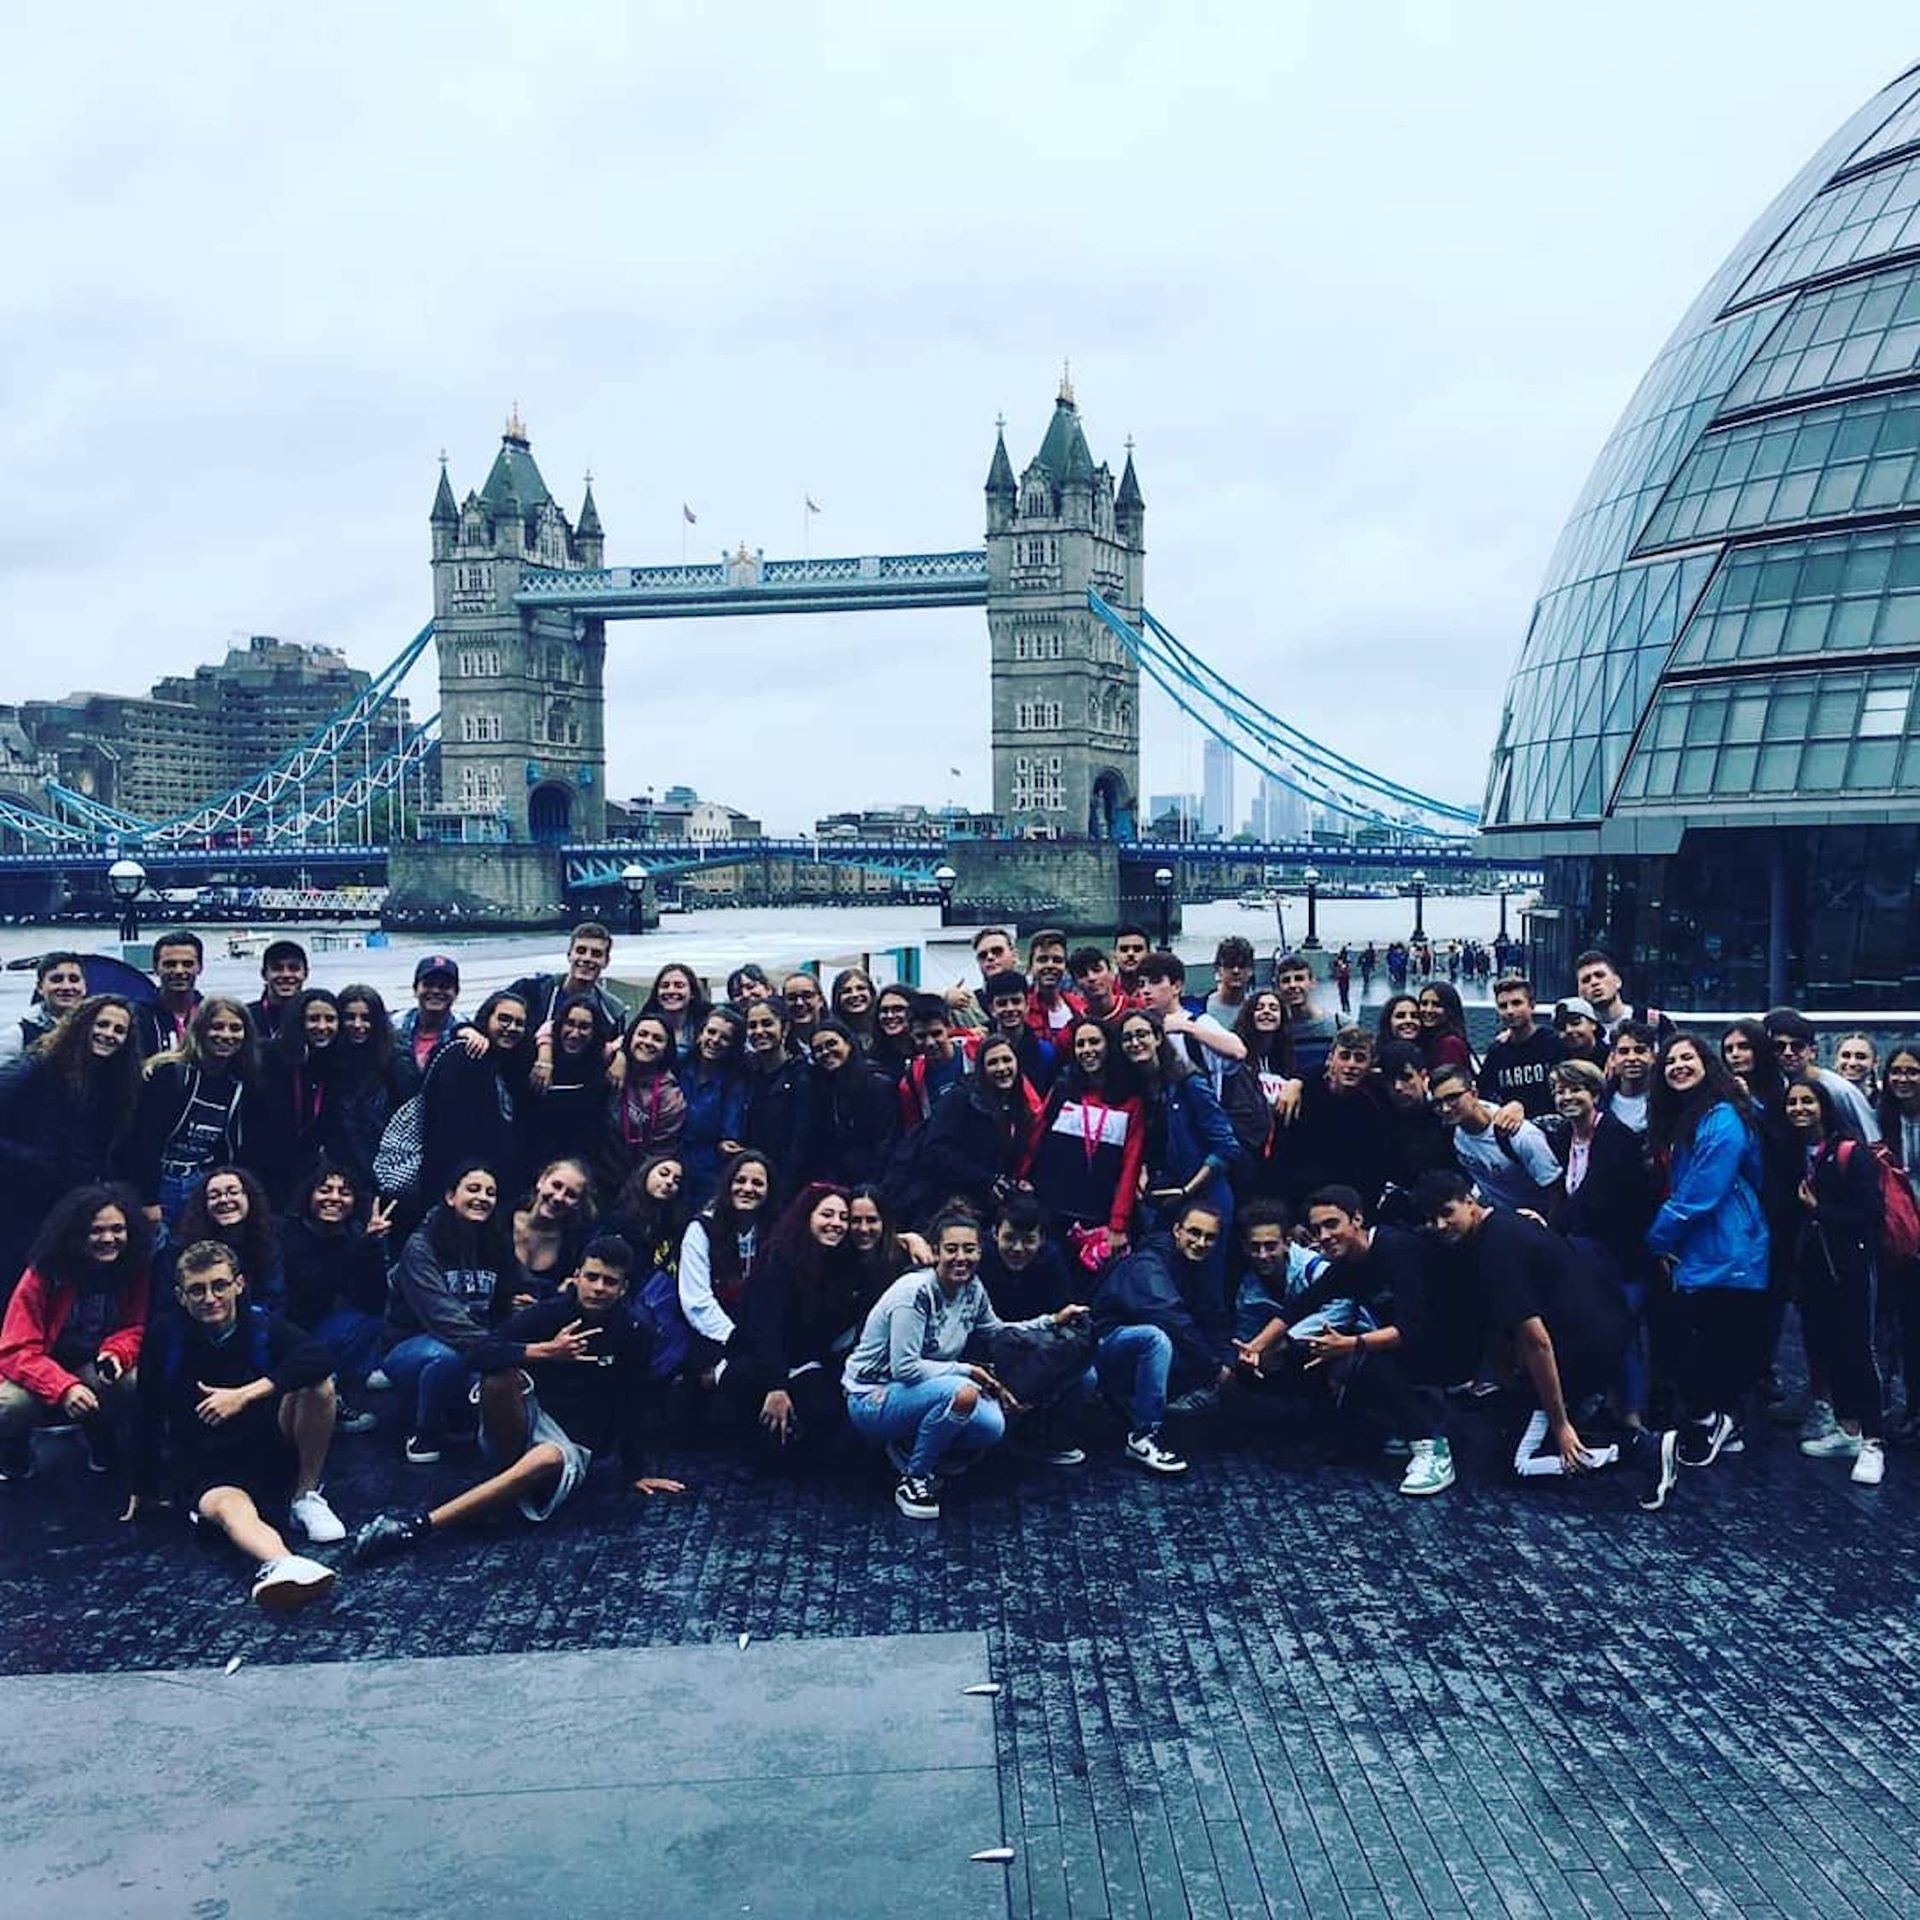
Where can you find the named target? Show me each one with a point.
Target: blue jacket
(1193, 1132)
(716, 1111)
(1711, 1222)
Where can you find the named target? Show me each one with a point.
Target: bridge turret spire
(588, 537)
(1129, 505)
(1001, 486)
(445, 517)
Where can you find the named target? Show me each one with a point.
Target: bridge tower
(1066, 694)
(522, 706)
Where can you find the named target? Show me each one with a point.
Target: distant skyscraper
(1216, 779)
(1278, 812)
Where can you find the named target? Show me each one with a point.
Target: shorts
(543, 1430)
(267, 1483)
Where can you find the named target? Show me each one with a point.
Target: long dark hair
(641, 1218)
(816, 1271)
(517, 1062)
(1673, 1119)
(886, 1263)
(245, 1065)
(67, 1052)
(255, 1242)
(1892, 1119)
(722, 1223)
(374, 1059)
(1118, 1081)
(1173, 1063)
(290, 1047)
(321, 1171)
(588, 1068)
(1383, 1027)
(59, 1252)
(1766, 1083)
(698, 1005)
(1013, 1112)
(487, 1244)
(1266, 1052)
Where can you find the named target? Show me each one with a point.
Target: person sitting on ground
(1159, 1320)
(908, 1387)
(70, 1343)
(241, 1401)
(336, 1272)
(454, 1280)
(1513, 1170)
(1566, 1329)
(718, 1256)
(559, 1382)
(1028, 1279)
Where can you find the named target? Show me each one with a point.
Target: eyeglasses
(207, 1289)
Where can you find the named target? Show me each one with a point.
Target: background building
(194, 735)
(1216, 781)
(1711, 737)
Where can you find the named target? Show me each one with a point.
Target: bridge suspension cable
(1270, 745)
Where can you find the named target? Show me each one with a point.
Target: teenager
(1834, 1259)
(852, 1003)
(560, 1382)
(1159, 1320)
(978, 1145)
(1418, 1141)
(1514, 1169)
(565, 1113)
(1232, 981)
(1341, 1131)
(1794, 1037)
(892, 1048)
(1131, 945)
(1099, 987)
(646, 1112)
(550, 1226)
(853, 1111)
(589, 951)
(1091, 1147)
(240, 1401)
(1400, 1020)
(779, 1111)
(883, 1248)
(430, 1024)
(283, 978)
(66, 1114)
(1563, 1327)
(1513, 1076)
(718, 1254)
(1208, 1045)
(1007, 1000)
(452, 1282)
(1052, 1007)
(71, 1338)
(1312, 1030)
(680, 1001)
(233, 1207)
(1597, 981)
(940, 1058)
(806, 1006)
(161, 1025)
(59, 985)
(1857, 1059)
(1711, 1231)
(366, 1081)
(1191, 1150)
(336, 1279)
(650, 1214)
(1443, 1026)
(1629, 1069)
(296, 1094)
(908, 1387)
(196, 1110)
(471, 1104)
(803, 1311)
(715, 1090)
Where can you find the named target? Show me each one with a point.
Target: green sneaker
(1430, 1470)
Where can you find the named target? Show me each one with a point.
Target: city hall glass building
(1711, 739)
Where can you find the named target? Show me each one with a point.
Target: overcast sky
(1368, 286)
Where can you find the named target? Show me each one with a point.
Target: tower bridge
(491, 810)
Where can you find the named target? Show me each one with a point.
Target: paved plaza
(1274, 1686)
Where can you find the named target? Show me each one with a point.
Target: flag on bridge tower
(688, 515)
(812, 507)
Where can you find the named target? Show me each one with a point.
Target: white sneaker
(1153, 1453)
(284, 1585)
(1835, 1444)
(1818, 1424)
(1429, 1467)
(317, 1520)
(1870, 1465)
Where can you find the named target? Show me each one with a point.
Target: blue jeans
(1136, 1364)
(353, 1338)
(921, 1421)
(436, 1376)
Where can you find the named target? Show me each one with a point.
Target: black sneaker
(1657, 1457)
(16, 1458)
(917, 1498)
(1703, 1441)
(347, 1418)
(387, 1534)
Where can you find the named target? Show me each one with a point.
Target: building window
(479, 728)
(1020, 646)
(1033, 553)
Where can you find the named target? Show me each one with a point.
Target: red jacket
(35, 1316)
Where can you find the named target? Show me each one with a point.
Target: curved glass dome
(1731, 619)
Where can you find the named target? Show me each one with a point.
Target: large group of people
(1066, 1204)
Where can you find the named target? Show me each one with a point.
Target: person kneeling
(242, 1400)
(571, 1366)
(1156, 1311)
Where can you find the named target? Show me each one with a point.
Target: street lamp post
(1419, 904)
(944, 878)
(1163, 880)
(634, 878)
(126, 878)
(1312, 878)
(1506, 882)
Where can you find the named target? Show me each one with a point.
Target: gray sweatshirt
(917, 1331)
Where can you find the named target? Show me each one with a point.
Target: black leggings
(1836, 1312)
(1716, 1345)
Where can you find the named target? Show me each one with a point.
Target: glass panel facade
(1845, 593)
(1854, 457)
(1901, 131)
(1865, 218)
(1831, 732)
(1834, 336)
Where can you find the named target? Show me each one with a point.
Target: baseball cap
(437, 963)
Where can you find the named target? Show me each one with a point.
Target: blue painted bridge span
(749, 583)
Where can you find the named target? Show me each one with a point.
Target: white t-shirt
(1507, 1180)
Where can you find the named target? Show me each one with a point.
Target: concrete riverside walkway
(1271, 1687)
